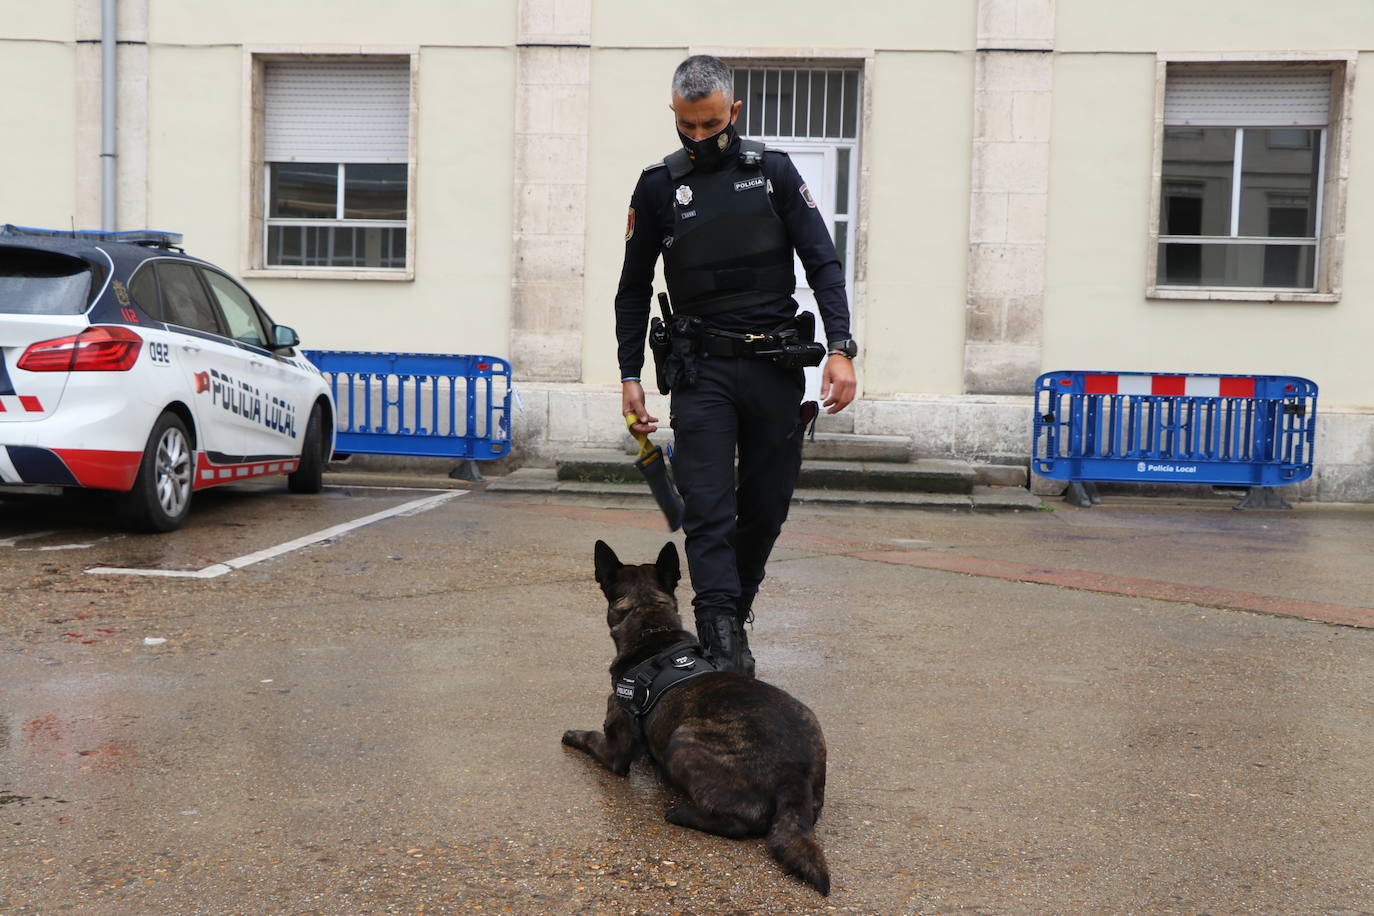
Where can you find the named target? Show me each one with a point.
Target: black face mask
(709, 151)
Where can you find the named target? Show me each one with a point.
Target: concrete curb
(545, 482)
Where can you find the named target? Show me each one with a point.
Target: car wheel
(309, 474)
(161, 497)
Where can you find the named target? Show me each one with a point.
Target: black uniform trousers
(754, 406)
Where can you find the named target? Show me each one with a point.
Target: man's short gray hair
(701, 75)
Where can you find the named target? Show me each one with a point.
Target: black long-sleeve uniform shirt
(651, 221)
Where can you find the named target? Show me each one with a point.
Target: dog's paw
(577, 739)
(679, 815)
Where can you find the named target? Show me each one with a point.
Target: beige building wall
(451, 23)
(195, 150)
(917, 24)
(26, 21)
(630, 127)
(39, 161)
(1214, 25)
(911, 321)
(464, 217)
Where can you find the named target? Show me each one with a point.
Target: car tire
(161, 497)
(309, 474)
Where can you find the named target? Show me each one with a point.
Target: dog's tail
(790, 837)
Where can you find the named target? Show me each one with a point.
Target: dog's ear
(607, 565)
(668, 568)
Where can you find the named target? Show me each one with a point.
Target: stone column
(553, 68)
(131, 125)
(1014, 80)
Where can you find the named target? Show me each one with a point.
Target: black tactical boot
(745, 615)
(722, 637)
(746, 658)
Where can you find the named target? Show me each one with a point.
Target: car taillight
(104, 348)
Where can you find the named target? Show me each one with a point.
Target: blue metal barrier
(1228, 430)
(419, 404)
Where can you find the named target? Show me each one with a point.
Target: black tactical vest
(729, 248)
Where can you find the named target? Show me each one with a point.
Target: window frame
(1333, 169)
(256, 167)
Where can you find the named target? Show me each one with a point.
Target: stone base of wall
(551, 419)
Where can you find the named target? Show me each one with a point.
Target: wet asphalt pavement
(1018, 721)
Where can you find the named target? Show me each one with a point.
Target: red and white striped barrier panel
(1201, 386)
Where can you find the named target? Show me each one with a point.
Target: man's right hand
(632, 402)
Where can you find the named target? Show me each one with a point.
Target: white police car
(127, 365)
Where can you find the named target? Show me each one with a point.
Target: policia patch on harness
(639, 689)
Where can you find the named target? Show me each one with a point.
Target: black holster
(660, 345)
(797, 347)
(680, 368)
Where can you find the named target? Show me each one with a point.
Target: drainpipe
(108, 87)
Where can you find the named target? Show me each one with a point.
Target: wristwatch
(846, 348)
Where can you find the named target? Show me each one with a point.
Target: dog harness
(640, 688)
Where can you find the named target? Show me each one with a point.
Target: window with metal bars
(810, 103)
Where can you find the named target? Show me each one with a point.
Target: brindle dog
(749, 756)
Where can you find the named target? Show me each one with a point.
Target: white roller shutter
(337, 111)
(1257, 98)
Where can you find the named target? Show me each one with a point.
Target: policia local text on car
(726, 215)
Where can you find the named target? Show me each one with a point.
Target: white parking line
(10, 542)
(60, 547)
(14, 542)
(218, 569)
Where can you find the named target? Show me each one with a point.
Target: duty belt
(725, 343)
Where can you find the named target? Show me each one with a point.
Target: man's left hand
(837, 383)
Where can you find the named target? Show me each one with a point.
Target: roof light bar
(134, 236)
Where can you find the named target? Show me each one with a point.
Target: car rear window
(42, 283)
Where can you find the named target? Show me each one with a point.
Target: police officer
(726, 215)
